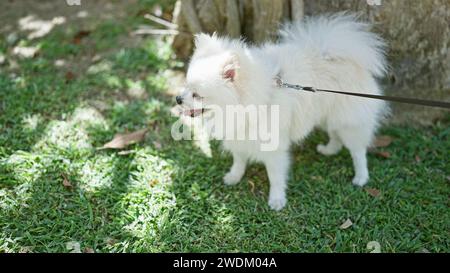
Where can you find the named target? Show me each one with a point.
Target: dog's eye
(195, 96)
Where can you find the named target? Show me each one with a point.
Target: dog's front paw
(231, 178)
(360, 180)
(277, 202)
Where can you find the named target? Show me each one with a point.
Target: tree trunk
(256, 20)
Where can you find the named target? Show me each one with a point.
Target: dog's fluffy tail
(340, 35)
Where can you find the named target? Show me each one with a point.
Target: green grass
(171, 198)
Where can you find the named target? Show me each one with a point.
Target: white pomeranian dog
(329, 52)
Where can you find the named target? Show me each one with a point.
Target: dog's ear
(231, 68)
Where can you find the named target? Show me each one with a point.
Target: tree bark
(256, 20)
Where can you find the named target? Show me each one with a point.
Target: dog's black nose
(179, 99)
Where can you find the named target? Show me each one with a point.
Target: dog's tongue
(193, 112)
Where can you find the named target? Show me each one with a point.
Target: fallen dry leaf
(348, 223)
(374, 246)
(153, 182)
(96, 58)
(383, 154)
(121, 141)
(73, 247)
(69, 76)
(80, 35)
(88, 250)
(26, 249)
(373, 192)
(252, 186)
(66, 182)
(382, 141)
(110, 241)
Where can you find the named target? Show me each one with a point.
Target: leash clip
(279, 82)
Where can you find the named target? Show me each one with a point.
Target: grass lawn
(162, 195)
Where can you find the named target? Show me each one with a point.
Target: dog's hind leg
(356, 140)
(333, 147)
(237, 170)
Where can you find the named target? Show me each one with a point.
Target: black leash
(441, 104)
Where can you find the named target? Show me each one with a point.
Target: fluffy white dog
(328, 52)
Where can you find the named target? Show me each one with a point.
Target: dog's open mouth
(194, 112)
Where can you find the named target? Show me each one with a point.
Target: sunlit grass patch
(71, 133)
(96, 172)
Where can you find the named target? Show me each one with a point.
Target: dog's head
(213, 75)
